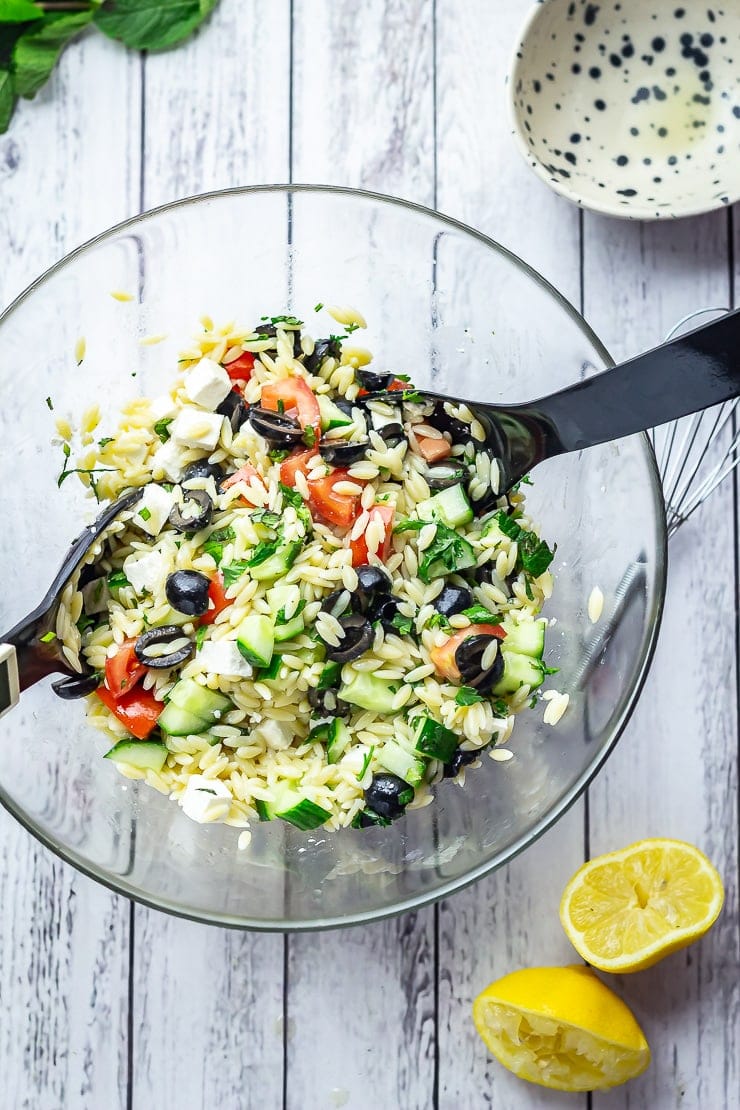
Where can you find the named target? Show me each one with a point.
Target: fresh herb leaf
(7, 99)
(403, 625)
(162, 428)
(447, 551)
(152, 24)
(84, 623)
(367, 817)
(104, 441)
(289, 321)
(438, 620)
(145, 513)
(550, 670)
(37, 51)
(350, 328)
(534, 554)
(19, 11)
(411, 397)
(48, 637)
(214, 549)
(280, 406)
(478, 614)
(309, 436)
(466, 695)
(117, 579)
(499, 708)
(291, 496)
(280, 617)
(410, 526)
(318, 307)
(403, 377)
(234, 571)
(82, 470)
(262, 552)
(49, 404)
(366, 763)
(200, 636)
(277, 455)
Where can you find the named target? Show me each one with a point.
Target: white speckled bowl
(632, 107)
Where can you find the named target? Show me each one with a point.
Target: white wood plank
(361, 1003)
(216, 115)
(674, 772)
(509, 919)
(63, 939)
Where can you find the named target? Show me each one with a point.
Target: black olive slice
(444, 475)
(323, 349)
(151, 647)
(194, 513)
(235, 409)
(202, 468)
(327, 703)
(358, 637)
(372, 381)
(77, 687)
(459, 760)
(468, 659)
(340, 453)
(275, 427)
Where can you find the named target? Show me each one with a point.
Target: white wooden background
(108, 1005)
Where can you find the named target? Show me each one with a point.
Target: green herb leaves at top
(37, 51)
(19, 11)
(152, 24)
(466, 695)
(534, 554)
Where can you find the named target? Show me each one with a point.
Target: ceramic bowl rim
(624, 212)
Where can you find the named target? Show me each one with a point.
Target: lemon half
(626, 910)
(561, 1027)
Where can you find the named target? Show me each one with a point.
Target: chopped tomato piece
(443, 657)
(358, 547)
(138, 710)
(297, 400)
(217, 600)
(240, 370)
(433, 450)
(335, 508)
(245, 474)
(123, 670)
(296, 462)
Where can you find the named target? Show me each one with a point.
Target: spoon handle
(694, 372)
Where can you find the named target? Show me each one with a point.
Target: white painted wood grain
(63, 939)
(674, 772)
(509, 919)
(208, 1003)
(361, 1003)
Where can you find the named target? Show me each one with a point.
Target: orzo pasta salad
(319, 606)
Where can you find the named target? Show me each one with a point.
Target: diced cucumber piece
(272, 672)
(255, 639)
(464, 559)
(337, 741)
(519, 670)
(331, 415)
(147, 755)
(263, 809)
(277, 564)
(434, 740)
(527, 638)
(330, 676)
(180, 722)
(265, 524)
(401, 762)
(290, 629)
(451, 506)
(198, 700)
(291, 806)
(368, 692)
(319, 732)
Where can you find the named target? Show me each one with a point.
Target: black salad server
(31, 650)
(686, 375)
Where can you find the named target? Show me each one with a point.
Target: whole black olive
(151, 647)
(388, 795)
(78, 686)
(459, 760)
(327, 703)
(468, 658)
(323, 349)
(269, 331)
(382, 608)
(235, 408)
(371, 581)
(334, 604)
(444, 475)
(275, 427)
(372, 382)
(453, 599)
(185, 518)
(358, 636)
(340, 453)
(392, 434)
(202, 468)
(187, 591)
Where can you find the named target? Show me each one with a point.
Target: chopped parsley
(280, 617)
(200, 636)
(234, 571)
(214, 545)
(48, 637)
(499, 708)
(534, 554)
(261, 553)
(277, 454)
(350, 328)
(162, 428)
(410, 526)
(318, 307)
(366, 763)
(478, 614)
(438, 620)
(145, 513)
(84, 623)
(102, 443)
(447, 552)
(309, 436)
(49, 404)
(117, 580)
(402, 624)
(290, 321)
(280, 406)
(466, 695)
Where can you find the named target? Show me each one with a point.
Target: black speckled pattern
(633, 106)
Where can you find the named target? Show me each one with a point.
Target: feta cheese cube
(145, 572)
(193, 428)
(206, 800)
(151, 511)
(207, 383)
(163, 408)
(167, 462)
(223, 657)
(95, 596)
(277, 735)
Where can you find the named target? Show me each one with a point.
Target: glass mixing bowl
(459, 314)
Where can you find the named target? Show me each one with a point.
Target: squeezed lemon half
(626, 910)
(561, 1027)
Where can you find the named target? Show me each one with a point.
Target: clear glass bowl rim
(630, 696)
